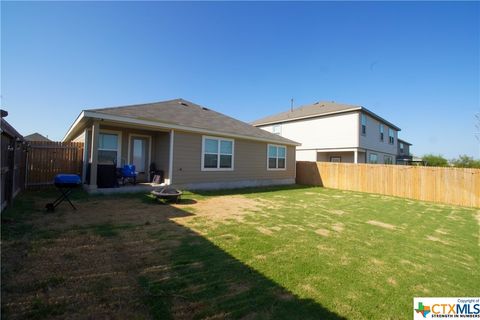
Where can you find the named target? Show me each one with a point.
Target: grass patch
(257, 253)
(109, 230)
(42, 310)
(361, 255)
(14, 218)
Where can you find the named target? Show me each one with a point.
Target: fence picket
(47, 159)
(457, 186)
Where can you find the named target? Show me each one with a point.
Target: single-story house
(36, 137)
(194, 146)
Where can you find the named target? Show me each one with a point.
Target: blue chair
(129, 174)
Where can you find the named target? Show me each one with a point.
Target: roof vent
(184, 104)
(206, 109)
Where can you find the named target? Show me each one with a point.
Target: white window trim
(382, 132)
(119, 144)
(370, 156)
(279, 126)
(286, 150)
(218, 154)
(391, 136)
(130, 135)
(363, 116)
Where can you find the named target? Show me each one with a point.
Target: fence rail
(48, 158)
(457, 186)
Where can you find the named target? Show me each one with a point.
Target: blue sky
(414, 63)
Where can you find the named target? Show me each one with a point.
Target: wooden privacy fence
(457, 186)
(12, 163)
(49, 158)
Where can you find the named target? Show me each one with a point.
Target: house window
(108, 148)
(277, 156)
(217, 154)
(391, 136)
(387, 159)
(277, 129)
(335, 159)
(372, 158)
(401, 148)
(382, 130)
(364, 124)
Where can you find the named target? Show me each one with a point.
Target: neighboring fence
(456, 186)
(48, 158)
(13, 156)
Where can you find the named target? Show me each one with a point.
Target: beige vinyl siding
(80, 138)
(250, 161)
(333, 131)
(371, 140)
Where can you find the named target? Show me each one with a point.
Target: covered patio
(110, 145)
(354, 155)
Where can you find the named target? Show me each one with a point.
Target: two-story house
(334, 132)
(403, 152)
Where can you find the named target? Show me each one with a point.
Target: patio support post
(355, 156)
(170, 159)
(86, 144)
(94, 154)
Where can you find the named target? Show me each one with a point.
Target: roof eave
(405, 142)
(73, 127)
(376, 116)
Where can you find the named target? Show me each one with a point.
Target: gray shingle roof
(185, 113)
(310, 110)
(36, 137)
(317, 109)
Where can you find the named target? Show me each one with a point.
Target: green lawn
(278, 253)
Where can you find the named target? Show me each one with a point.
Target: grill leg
(64, 196)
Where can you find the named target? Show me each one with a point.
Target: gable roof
(317, 109)
(184, 115)
(36, 137)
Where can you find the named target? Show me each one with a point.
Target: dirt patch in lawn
(323, 232)
(338, 227)
(225, 207)
(263, 230)
(337, 212)
(392, 282)
(381, 224)
(435, 239)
